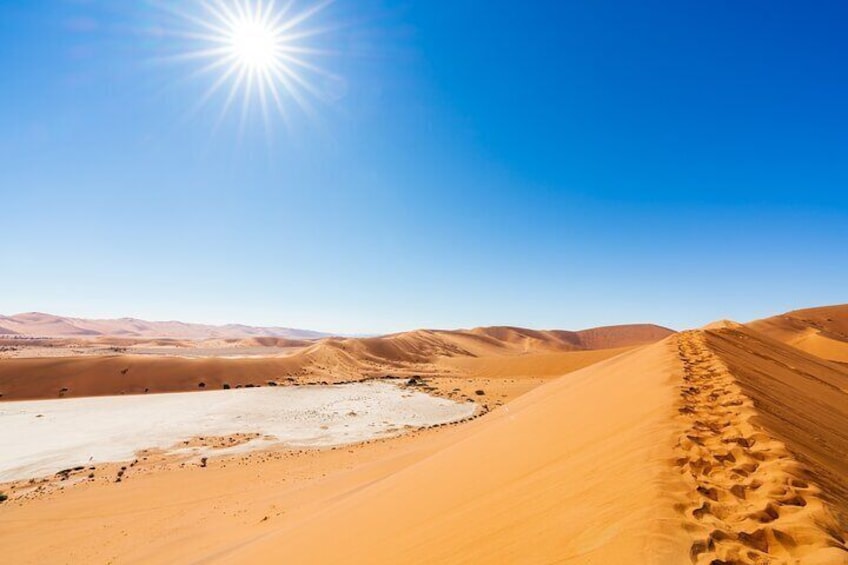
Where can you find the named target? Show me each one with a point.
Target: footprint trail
(749, 501)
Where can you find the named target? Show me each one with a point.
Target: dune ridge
(742, 496)
(800, 398)
(716, 488)
(331, 360)
(748, 501)
(422, 346)
(711, 447)
(821, 331)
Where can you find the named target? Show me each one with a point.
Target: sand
(714, 446)
(62, 368)
(749, 499)
(820, 331)
(802, 400)
(538, 468)
(574, 471)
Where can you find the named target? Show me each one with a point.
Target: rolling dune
(427, 352)
(749, 500)
(650, 457)
(799, 399)
(820, 331)
(38, 324)
(714, 446)
(574, 471)
(685, 451)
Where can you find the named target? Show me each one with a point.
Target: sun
(254, 44)
(260, 52)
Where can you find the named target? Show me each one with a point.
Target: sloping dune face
(575, 471)
(750, 499)
(800, 399)
(820, 331)
(656, 456)
(710, 447)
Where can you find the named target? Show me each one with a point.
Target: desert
(390, 282)
(721, 444)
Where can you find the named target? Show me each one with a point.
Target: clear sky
(549, 164)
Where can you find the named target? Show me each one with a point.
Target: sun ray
(293, 90)
(309, 66)
(231, 96)
(266, 52)
(303, 16)
(211, 91)
(294, 77)
(213, 66)
(305, 34)
(217, 53)
(191, 18)
(275, 94)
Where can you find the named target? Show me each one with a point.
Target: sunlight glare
(255, 44)
(260, 49)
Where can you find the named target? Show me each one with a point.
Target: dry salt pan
(45, 436)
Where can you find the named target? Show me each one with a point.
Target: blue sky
(565, 164)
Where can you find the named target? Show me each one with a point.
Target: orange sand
(716, 446)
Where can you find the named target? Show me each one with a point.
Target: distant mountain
(37, 324)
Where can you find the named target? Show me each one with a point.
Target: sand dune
(799, 399)
(578, 471)
(609, 337)
(37, 324)
(424, 346)
(710, 447)
(663, 454)
(330, 360)
(820, 331)
(29, 379)
(534, 365)
(569, 472)
(529, 481)
(750, 499)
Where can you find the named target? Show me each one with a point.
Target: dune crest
(821, 331)
(721, 324)
(655, 456)
(801, 399)
(711, 447)
(748, 501)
